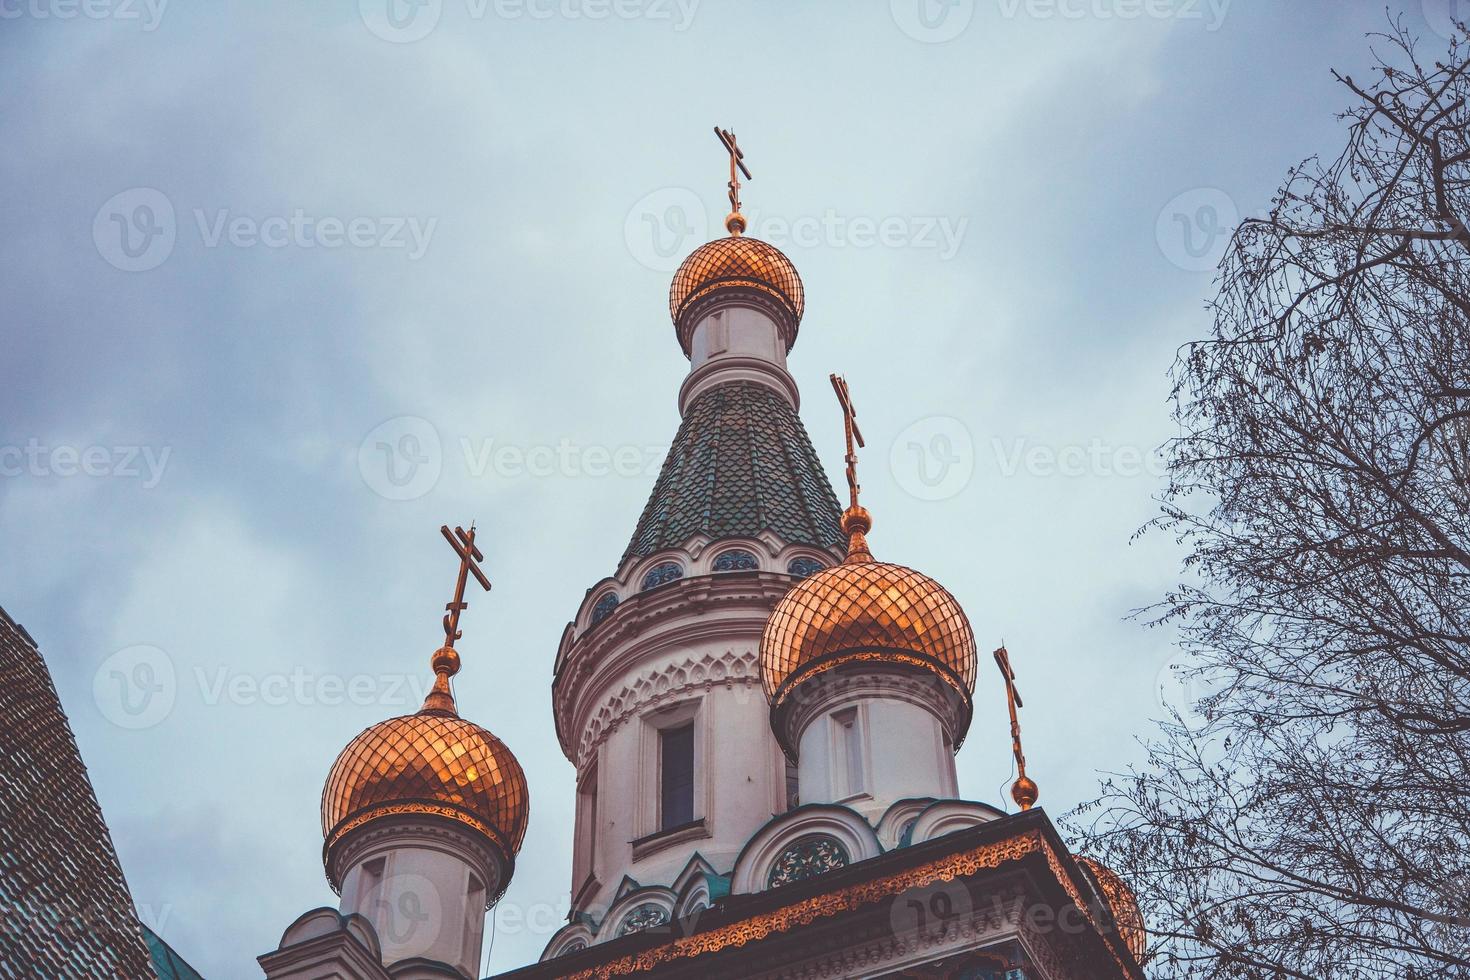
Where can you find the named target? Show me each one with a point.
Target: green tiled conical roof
(741, 463)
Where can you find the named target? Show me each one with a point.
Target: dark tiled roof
(741, 464)
(167, 963)
(66, 907)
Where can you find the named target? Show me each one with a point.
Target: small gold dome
(1122, 903)
(866, 611)
(435, 763)
(737, 262)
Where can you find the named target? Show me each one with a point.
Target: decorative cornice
(396, 823)
(738, 367)
(818, 907)
(654, 622)
(668, 683)
(872, 677)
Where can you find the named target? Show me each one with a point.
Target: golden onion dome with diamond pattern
(1122, 903)
(433, 763)
(864, 612)
(757, 270)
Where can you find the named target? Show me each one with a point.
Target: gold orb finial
(1025, 792)
(735, 223)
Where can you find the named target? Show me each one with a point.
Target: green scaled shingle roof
(741, 463)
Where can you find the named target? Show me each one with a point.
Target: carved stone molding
(668, 683)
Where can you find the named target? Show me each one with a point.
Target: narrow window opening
(848, 766)
(676, 775)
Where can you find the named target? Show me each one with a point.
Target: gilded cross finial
(445, 662)
(463, 543)
(853, 433)
(1024, 791)
(734, 221)
(856, 521)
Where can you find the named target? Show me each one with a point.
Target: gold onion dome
(867, 613)
(1122, 903)
(750, 266)
(432, 763)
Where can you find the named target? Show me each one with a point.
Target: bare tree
(1314, 820)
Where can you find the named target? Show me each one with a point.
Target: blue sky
(341, 234)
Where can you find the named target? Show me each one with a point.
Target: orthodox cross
(1024, 790)
(737, 159)
(853, 433)
(463, 543)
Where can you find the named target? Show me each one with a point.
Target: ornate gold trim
(401, 809)
(987, 856)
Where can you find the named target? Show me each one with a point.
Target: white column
(737, 343)
(422, 883)
(874, 741)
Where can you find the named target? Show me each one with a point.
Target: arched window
(662, 574)
(736, 561)
(808, 857)
(604, 607)
(804, 566)
(645, 916)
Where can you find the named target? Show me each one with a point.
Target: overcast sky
(247, 245)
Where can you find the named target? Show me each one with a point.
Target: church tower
(657, 690)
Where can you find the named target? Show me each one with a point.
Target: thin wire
(490, 947)
(1001, 789)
